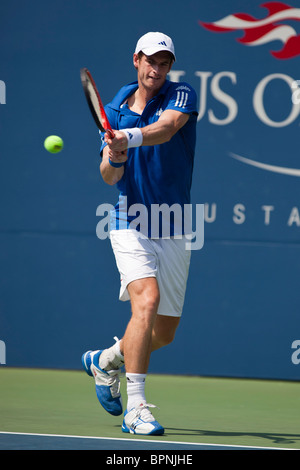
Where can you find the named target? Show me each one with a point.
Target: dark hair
(141, 54)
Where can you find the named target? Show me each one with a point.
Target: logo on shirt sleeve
(182, 96)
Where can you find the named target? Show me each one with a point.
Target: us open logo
(296, 92)
(277, 25)
(257, 31)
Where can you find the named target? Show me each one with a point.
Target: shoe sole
(155, 432)
(114, 406)
(86, 363)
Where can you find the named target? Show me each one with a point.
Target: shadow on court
(283, 439)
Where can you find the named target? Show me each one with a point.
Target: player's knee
(166, 337)
(150, 305)
(145, 310)
(164, 331)
(162, 338)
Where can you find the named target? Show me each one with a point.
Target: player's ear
(135, 60)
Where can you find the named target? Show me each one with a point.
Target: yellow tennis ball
(53, 144)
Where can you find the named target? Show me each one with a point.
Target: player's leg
(136, 343)
(136, 261)
(164, 330)
(137, 340)
(137, 347)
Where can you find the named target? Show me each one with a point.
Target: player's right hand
(119, 143)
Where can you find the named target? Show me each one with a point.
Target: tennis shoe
(139, 420)
(107, 382)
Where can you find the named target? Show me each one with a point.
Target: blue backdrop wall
(59, 283)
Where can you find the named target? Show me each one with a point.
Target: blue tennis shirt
(159, 176)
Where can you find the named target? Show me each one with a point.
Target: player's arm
(111, 166)
(163, 130)
(157, 133)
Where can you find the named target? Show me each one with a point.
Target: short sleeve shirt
(158, 176)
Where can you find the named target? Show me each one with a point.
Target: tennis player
(150, 159)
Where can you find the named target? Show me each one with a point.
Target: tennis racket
(94, 102)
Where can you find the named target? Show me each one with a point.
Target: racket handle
(110, 132)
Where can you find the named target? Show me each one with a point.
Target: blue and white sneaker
(107, 383)
(139, 420)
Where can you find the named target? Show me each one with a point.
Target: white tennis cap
(151, 43)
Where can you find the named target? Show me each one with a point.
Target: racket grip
(111, 133)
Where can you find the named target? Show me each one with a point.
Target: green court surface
(223, 411)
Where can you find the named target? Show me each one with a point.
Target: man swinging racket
(150, 159)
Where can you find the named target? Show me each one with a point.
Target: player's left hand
(116, 156)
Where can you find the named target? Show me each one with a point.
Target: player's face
(152, 70)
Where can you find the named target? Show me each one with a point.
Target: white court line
(144, 440)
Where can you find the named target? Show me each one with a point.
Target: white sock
(135, 389)
(112, 358)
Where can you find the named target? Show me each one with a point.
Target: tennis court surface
(58, 410)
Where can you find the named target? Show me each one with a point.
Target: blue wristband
(114, 164)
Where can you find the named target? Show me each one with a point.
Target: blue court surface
(26, 441)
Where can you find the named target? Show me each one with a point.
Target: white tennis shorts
(167, 260)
